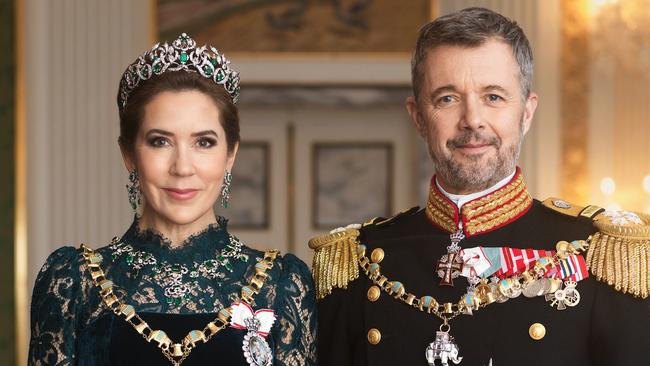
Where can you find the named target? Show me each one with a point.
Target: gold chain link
(169, 349)
(449, 311)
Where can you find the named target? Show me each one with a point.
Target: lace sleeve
(55, 304)
(296, 314)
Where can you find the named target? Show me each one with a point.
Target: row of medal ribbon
(504, 262)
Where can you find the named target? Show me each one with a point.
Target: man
(484, 274)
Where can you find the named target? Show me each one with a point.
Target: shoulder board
(619, 253)
(569, 209)
(335, 260)
(380, 221)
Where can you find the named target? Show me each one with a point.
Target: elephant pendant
(444, 349)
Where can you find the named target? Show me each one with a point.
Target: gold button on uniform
(537, 331)
(374, 336)
(373, 293)
(377, 255)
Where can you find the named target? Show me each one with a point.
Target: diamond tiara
(182, 54)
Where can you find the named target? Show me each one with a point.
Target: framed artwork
(249, 196)
(297, 26)
(352, 182)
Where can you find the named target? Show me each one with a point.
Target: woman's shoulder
(66, 259)
(286, 263)
(288, 274)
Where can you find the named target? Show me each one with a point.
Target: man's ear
(416, 117)
(127, 155)
(529, 111)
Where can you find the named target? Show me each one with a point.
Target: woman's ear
(127, 155)
(231, 157)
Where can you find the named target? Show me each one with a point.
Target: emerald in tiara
(182, 54)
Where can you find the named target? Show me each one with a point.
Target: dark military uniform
(362, 324)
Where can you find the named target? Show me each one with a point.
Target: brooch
(258, 324)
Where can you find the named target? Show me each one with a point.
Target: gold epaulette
(335, 260)
(620, 251)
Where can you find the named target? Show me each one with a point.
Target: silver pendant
(256, 350)
(443, 348)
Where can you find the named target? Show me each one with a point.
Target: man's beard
(475, 173)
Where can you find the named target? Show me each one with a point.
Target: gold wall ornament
(335, 260)
(619, 253)
(630, 43)
(574, 98)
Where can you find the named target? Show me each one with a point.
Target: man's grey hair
(472, 27)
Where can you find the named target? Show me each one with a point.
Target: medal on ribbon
(258, 324)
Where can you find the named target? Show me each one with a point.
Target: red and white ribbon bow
(241, 311)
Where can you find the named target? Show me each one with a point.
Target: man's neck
(461, 199)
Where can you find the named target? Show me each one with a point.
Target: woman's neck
(176, 233)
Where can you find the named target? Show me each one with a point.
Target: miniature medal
(258, 324)
(450, 265)
(443, 348)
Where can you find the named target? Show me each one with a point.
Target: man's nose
(472, 118)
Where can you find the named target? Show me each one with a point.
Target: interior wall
(619, 106)
(540, 156)
(76, 51)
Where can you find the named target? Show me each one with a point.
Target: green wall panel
(7, 175)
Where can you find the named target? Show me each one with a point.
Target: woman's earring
(225, 189)
(133, 188)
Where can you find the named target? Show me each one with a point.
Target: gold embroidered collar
(483, 214)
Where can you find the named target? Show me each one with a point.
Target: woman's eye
(206, 142)
(158, 142)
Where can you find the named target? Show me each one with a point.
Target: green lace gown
(173, 289)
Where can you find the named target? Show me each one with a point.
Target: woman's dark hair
(175, 81)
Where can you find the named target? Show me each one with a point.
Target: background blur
(326, 140)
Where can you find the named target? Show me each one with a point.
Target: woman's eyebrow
(206, 132)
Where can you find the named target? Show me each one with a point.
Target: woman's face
(181, 155)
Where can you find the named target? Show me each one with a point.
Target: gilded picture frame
(304, 42)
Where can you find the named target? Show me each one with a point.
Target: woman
(176, 288)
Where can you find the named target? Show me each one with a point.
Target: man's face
(472, 114)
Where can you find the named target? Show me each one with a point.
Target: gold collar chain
(176, 353)
(484, 294)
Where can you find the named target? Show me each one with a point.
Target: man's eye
(494, 98)
(445, 100)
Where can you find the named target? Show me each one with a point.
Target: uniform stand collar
(481, 214)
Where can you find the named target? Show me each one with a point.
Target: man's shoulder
(567, 209)
(337, 253)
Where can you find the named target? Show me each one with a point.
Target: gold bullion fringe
(335, 261)
(618, 255)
